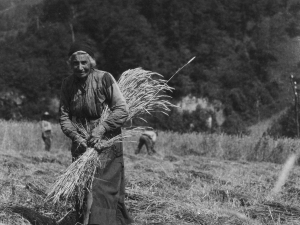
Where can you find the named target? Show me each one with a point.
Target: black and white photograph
(149, 112)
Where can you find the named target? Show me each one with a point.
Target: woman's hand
(81, 145)
(99, 146)
(96, 136)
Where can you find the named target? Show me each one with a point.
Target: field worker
(46, 130)
(83, 97)
(147, 138)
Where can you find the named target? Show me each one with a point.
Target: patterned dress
(83, 102)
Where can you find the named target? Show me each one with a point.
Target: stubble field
(194, 179)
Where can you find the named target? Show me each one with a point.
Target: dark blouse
(86, 100)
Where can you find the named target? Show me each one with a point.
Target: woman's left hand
(97, 134)
(92, 141)
(99, 146)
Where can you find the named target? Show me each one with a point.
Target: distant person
(46, 131)
(147, 138)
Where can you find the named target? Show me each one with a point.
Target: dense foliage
(235, 43)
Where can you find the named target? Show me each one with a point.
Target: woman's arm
(65, 122)
(116, 102)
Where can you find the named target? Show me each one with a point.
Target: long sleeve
(65, 122)
(116, 102)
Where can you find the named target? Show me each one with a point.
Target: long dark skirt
(108, 193)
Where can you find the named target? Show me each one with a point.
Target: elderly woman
(83, 97)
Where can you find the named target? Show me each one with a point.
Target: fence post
(295, 90)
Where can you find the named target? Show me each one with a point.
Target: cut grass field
(194, 179)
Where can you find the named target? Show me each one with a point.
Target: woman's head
(45, 116)
(81, 60)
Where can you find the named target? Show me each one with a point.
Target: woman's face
(81, 65)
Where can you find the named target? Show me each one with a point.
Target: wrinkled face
(81, 65)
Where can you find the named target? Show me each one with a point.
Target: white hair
(91, 59)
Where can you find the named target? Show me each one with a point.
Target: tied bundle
(145, 92)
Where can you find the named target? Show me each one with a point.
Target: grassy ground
(194, 179)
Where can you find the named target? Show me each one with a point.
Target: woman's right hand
(81, 145)
(96, 135)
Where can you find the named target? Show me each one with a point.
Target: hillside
(243, 61)
(14, 17)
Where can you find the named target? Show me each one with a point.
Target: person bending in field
(147, 138)
(46, 130)
(84, 95)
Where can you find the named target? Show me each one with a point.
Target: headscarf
(81, 46)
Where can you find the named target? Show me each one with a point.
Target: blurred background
(239, 81)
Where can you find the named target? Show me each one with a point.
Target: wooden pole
(296, 99)
(297, 110)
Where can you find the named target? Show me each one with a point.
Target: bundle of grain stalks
(145, 92)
